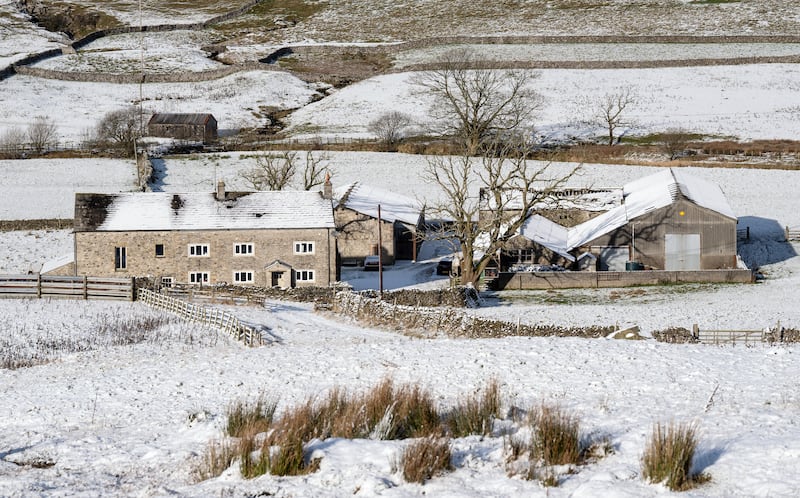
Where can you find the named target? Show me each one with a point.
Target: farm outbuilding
(671, 220)
(191, 127)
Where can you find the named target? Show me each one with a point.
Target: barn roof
(178, 118)
(546, 233)
(202, 211)
(365, 199)
(648, 194)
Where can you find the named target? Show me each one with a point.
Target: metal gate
(682, 251)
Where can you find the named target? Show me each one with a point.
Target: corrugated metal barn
(671, 220)
(193, 127)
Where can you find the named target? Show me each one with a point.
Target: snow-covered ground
(748, 102)
(19, 37)
(133, 420)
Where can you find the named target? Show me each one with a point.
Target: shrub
(475, 415)
(425, 458)
(668, 456)
(218, 456)
(556, 436)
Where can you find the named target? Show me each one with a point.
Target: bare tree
(675, 142)
(390, 128)
(477, 105)
(314, 172)
(488, 199)
(120, 130)
(42, 134)
(609, 111)
(272, 171)
(12, 142)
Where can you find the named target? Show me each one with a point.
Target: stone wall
(606, 279)
(95, 254)
(44, 224)
(358, 236)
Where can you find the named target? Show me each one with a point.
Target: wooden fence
(733, 337)
(792, 234)
(70, 287)
(201, 314)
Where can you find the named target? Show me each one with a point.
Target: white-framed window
(167, 281)
(243, 277)
(304, 247)
(243, 249)
(120, 258)
(198, 277)
(198, 250)
(304, 275)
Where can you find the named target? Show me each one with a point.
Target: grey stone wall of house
(95, 254)
(358, 236)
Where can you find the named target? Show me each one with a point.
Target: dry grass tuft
(426, 458)
(668, 456)
(218, 456)
(246, 418)
(556, 436)
(475, 414)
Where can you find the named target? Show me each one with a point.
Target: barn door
(682, 251)
(613, 258)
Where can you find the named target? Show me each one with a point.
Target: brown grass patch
(426, 458)
(475, 415)
(668, 456)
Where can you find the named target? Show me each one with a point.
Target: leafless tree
(120, 130)
(476, 105)
(316, 167)
(609, 111)
(42, 134)
(390, 128)
(488, 199)
(12, 142)
(675, 142)
(272, 171)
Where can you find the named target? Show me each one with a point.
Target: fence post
(85, 287)
(695, 331)
(133, 288)
(39, 285)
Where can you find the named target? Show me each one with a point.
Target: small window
(196, 250)
(304, 275)
(159, 250)
(243, 277)
(243, 249)
(120, 258)
(304, 248)
(167, 281)
(198, 277)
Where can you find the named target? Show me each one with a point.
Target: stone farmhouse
(671, 220)
(356, 215)
(275, 238)
(191, 127)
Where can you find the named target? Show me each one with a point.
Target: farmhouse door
(682, 251)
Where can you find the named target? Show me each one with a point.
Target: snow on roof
(58, 262)
(546, 233)
(365, 199)
(647, 194)
(202, 211)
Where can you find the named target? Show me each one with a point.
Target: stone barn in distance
(192, 127)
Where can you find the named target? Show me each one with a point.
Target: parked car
(444, 266)
(371, 263)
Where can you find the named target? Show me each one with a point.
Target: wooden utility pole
(380, 254)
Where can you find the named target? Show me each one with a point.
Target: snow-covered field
(132, 420)
(748, 102)
(75, 108)
(20, 37)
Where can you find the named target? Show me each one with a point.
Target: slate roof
(202, 211)
(178, 118)
(364, 199)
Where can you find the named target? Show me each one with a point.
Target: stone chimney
(220, 190)
(327, 188)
